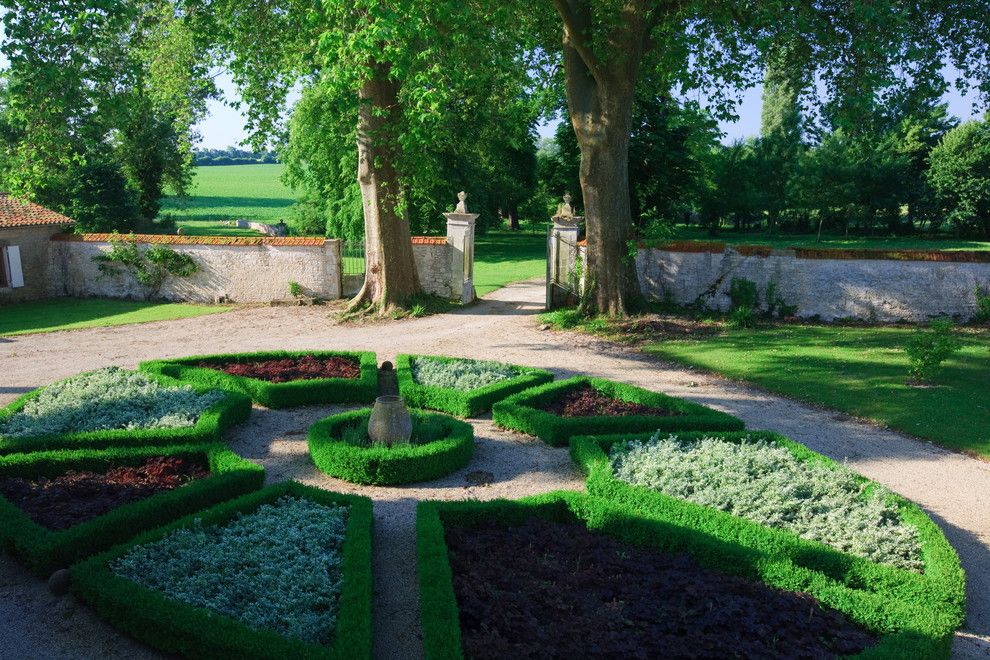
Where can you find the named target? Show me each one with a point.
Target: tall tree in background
(781, 139)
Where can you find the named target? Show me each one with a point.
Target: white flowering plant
(460, 374)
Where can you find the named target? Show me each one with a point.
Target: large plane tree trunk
(390, 270)
(600, 94)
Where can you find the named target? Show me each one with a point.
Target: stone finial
(461, 204)
(565, 210)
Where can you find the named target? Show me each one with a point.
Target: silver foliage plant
(460, 374)
(107, 399)
(278, 569)
(765, 483)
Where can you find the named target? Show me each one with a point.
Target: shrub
(165, 622)
(928, 349)
(276, 395)
(743, 293)
(742, 317)
(465, 388)
(339, 447)
(113, 407)
(522, 412)
(761, 481)
(44, 550)
(295, 289)
(921, 628)
(150, 266)
(982, 305)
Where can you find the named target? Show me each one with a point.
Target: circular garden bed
(340, 447)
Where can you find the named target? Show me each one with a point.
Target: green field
(231, 192)
(75, 313)
(693, 233)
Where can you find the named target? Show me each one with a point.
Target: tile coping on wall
(283, 241)
(714, 247)
(429, 240)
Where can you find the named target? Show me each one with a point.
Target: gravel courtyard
(953, 488)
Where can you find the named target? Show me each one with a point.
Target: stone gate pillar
(460, 238)
(563, 287)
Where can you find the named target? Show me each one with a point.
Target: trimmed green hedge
(387, 466)
(521, 412)
(277, 395)
(232, 409)
(45, 551)
(455, 402)
(195, 632)
(907, 629)
(936, 597)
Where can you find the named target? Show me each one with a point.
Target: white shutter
(15, 274)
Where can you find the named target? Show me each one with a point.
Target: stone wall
(862, 284)
(237, 269)
(34, 248)
(432, 255)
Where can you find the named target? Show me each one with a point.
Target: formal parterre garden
(695, 536)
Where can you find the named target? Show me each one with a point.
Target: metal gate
(352, 267)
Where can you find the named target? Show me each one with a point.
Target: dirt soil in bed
(289, 369)
(553, 590)
(586, 401)
(75, 497)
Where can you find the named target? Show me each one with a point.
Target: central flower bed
(284, 572)
(281, 379)
(340, 447)
(556, 411)
(112, 406)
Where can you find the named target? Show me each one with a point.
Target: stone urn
(390, 423)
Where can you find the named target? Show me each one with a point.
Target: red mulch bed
(586, 401)
(552, 590)
(75, 497)
(288, 369)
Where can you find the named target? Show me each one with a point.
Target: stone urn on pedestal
(390, 423)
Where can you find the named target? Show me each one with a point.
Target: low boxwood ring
(388, 466)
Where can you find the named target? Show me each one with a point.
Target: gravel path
(952, 487)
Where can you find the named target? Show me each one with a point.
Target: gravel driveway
(953, 488)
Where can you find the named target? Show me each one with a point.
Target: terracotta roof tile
(287, 241)
(18, 213)
(429, 240)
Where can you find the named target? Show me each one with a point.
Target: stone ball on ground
(59, 582)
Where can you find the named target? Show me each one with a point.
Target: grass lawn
(231, 192)
(503, 256)
(74, 313)
(860, 371)
(682, 232)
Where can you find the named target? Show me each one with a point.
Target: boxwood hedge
(385, 466)
(180, 628)
(455, 402)
(216, 419)
(932, 604)
(522, 412)
(906, 629)
(44, 550)
(277, 395)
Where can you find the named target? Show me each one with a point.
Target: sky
(224, 127)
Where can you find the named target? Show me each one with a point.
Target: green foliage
(338, 447)
(150, 266)
(45, 551)
(95, 193)
(276, 395)
(295, 289)
(912, 614)
(758, 480)
(960, 175)
(278, 568)
(928, 349)
(742, 293)
(179, 628)
(522, 412)
(210, 424)
(982, 306)
(742, 317)
(465, 388)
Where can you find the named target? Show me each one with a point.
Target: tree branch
(574, 27)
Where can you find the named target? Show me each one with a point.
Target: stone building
(25, 233)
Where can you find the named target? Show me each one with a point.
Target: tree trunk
(600, 98)
(390, 270)
(513, 217)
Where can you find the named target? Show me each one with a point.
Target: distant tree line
(233, 156)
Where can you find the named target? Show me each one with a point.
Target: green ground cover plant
(522, 412)
(77, 313)
(764, 482)
(465, 388)
(922, 628)
(276, 395)
(44, 550)
(440, 445)
(114, 407)
(231, 558)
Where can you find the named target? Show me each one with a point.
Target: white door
(15, 274)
